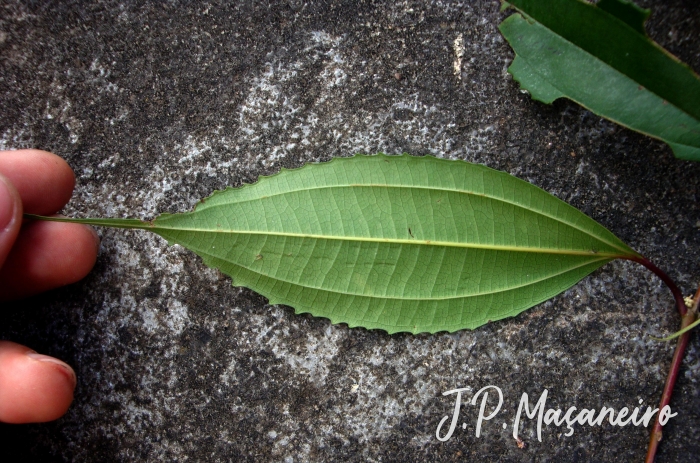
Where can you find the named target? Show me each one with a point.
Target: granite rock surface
(157, 104)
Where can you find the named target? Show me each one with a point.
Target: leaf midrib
(472, 193)
(403, 241)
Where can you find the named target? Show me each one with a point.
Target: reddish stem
(677, 295)
(687, 317)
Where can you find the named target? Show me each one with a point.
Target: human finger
(47, 255)
(34, 388)
(43, 180)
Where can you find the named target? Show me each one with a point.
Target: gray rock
(157, 105)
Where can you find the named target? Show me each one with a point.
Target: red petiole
(687, 317)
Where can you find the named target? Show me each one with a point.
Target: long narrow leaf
(399, 243)
(600, 57)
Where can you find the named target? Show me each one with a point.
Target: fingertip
(47, 255)
(34, 388)
(79, 245)
(44, 181)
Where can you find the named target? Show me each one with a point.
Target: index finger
(44, 181)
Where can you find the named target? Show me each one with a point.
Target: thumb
(10, 217)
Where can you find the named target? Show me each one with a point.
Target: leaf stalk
(677, 295)
(112, 223)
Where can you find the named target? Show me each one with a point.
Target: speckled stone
(157, 104)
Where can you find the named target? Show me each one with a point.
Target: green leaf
(600, 57)
(399, 243)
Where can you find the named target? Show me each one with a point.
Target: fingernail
(64, 367)
(7, 205)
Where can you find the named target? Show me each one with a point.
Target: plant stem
(687, 318)
(677, 295)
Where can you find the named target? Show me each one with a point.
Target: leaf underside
(398, 243)
(600, 57)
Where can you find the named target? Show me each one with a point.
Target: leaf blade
(398, 243)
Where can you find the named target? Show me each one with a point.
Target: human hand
(36, 257)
